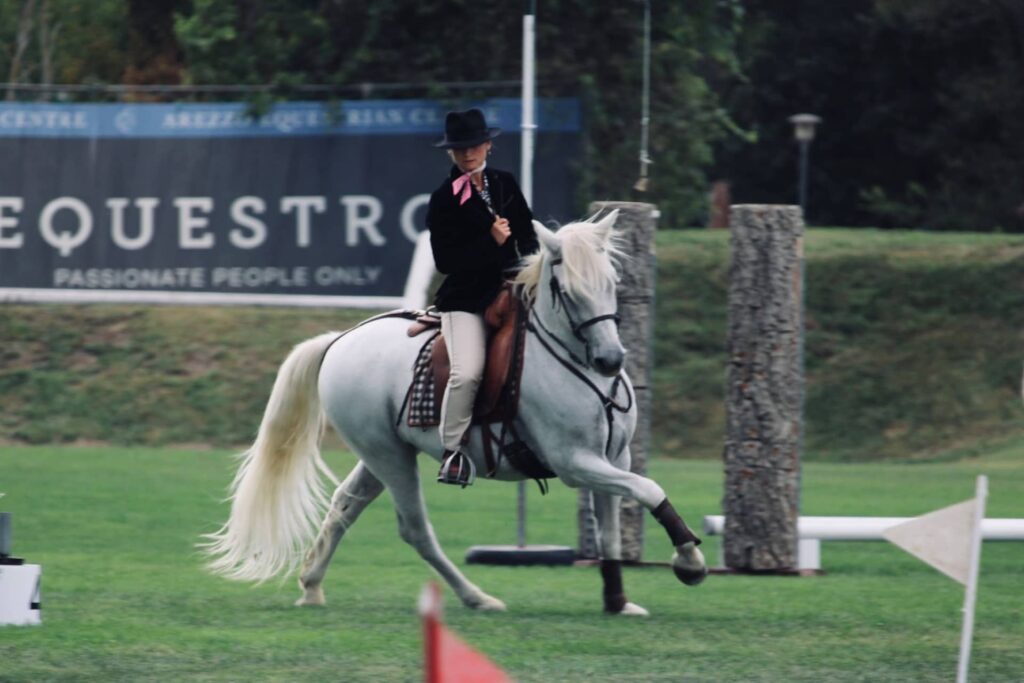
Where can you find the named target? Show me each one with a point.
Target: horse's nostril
(609, 364)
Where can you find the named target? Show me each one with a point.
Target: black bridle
(608, 400)
(561, 300)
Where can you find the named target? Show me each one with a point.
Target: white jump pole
(527, 127)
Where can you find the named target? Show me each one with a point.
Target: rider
(480, 226)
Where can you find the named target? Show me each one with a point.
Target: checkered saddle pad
(424, 398)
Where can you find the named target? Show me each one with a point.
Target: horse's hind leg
(358, 490)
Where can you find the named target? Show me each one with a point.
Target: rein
(607, 400)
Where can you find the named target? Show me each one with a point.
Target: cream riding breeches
(466, 337)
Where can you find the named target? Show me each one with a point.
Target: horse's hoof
(691, 577)
(311, 596)
(488, 604)
(306, 602)
(631, 609)
(688, 564)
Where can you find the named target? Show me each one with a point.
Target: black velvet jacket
(465, 251)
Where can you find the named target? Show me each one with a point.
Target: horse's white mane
(589, 250)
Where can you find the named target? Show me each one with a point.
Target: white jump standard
(19, 583)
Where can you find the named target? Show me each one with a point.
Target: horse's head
(571, 285)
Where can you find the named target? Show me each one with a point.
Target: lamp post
(804, 126)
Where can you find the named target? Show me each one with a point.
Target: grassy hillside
(914, 343)
(914, 349)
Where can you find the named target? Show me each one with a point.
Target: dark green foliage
(88, 41)
(922, 105)
(593, 50)
(279, 43)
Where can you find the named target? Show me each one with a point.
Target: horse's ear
(605, 225)
(547, 238)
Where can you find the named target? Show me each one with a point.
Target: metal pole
(967, 631)
(523, 554)
(804, 147)
(5, 533)
(528, 126)
(526, 184)
(521, 515)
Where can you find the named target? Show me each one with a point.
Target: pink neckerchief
(461, 186)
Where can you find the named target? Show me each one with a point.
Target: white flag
(941, 538)
(950, 540)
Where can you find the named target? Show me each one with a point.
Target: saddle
(497, 399)
(506, 323)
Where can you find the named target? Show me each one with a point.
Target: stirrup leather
(456, 468)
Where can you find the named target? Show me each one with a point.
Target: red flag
(447, 658)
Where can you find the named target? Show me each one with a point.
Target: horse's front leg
(416, 530)
(606, 509)
(688, 561)
(592, 471)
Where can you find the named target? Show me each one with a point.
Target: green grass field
(125, 598)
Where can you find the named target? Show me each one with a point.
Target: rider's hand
(500, 230)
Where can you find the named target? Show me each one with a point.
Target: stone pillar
(765, 389)
(637, 222)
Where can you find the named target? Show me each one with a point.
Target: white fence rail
(811, 531)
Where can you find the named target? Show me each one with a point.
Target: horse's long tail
(278, 496)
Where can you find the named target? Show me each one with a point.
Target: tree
(592, 49)
(154, 57)
(975, 135)
(922, 108)
(21, 43)
(61, 41)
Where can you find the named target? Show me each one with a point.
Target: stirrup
(457, 469)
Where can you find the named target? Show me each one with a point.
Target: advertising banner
(310, 204)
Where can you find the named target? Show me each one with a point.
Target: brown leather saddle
(497, 400)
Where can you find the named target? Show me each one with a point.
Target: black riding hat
(466, 129)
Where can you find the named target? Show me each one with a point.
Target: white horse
(575, 412)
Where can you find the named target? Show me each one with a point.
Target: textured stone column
(637, 222)
(765, 389)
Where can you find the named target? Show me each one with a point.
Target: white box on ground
(19, 594)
